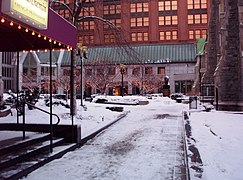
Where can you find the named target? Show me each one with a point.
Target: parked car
(175, 96)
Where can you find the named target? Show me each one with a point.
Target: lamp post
(82, 52)
(122, 71)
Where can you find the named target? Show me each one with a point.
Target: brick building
(140, 21)
(141, 26)
(159, 35)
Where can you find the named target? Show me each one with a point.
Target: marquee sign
(32, 12)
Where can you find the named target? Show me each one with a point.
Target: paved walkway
(141, 146)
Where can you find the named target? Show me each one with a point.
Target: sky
(147, 143)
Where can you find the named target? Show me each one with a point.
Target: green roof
(143, 54)
(162, 53)
(45, 56)
(201, 45)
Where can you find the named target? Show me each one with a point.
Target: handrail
(58, 118)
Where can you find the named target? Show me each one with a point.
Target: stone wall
(229, 77)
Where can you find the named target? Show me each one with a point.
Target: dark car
(176, 96)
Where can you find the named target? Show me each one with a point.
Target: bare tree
(102, 77)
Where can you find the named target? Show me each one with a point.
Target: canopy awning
(18, 36)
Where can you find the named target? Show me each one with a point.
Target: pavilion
(28, 26)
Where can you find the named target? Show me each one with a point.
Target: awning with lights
(15, 35)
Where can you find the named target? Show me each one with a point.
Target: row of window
(135, 71)
(112, 9)
(197, 18)
(163, 5)
(140, 21)
(196, 34)
(144, 36)
(144, 21)
(196, 4)
(168, 35)
(167, 5)
(168, 20)
(139, 36)
(140, 7)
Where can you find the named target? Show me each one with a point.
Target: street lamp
(122, 71)
(82, 52)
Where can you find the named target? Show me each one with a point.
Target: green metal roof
(162, 53)
(66, 60)
(143, 54)
(45, 56)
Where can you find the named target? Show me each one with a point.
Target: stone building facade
(143, 74)
(224, 54)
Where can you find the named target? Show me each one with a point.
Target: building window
(86, 25)
(204, 18)
(183, 86)
(109, 38)
(198, 33)
(139, 7)
(87, 11)
(111, 70)
(167, 5)
(148, 70)
(168, 20)
(86, 39)
(7, 72)
(197, 18)
(174, 35)
(191, 34)
(136, 71)
(196, 4)
(168, 35)
(116, 22)
(112, 9)
(162, 36)
(161, 70)
(139, 36)
(204, 33)
(139, 22)
(90, 1)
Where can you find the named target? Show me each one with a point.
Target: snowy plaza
(148, 143)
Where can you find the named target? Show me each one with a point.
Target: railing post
(17, 85)
(51, 126)
(23, 119)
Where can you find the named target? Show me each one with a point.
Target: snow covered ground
(218, 137)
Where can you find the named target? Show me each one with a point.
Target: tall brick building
(141, 21)
(162, 32)
(153, 38)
